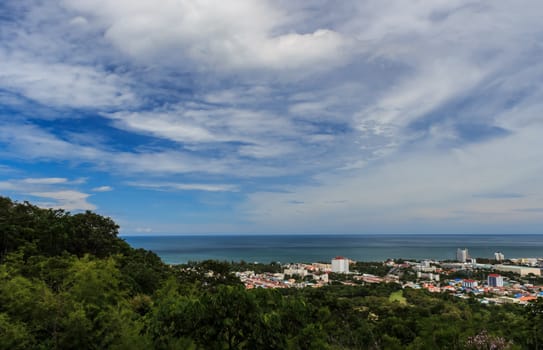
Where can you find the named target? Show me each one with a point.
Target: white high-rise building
(462, 255)
(340, 264)
(498, 256)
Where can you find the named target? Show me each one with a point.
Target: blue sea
(313, 248)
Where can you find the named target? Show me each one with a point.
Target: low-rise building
(295, 271)
(495, 280)
(428, 276)
(468, 283)
(521, 270)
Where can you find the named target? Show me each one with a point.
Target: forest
(67, 281)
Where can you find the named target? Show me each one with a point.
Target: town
(491, 281)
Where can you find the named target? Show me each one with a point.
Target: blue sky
(199, 116)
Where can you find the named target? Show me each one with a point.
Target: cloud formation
(383, 115)
(211, 35)
(51, 192)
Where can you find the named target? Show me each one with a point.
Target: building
(467, 283)
(521, 270)
(495, 280)
(428, 276)
(295, 270)
(340, 264)
(498, 256)
(462, 255)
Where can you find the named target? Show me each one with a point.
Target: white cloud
(31, 142)
(187, 186)
(62, 84)
(45, 180)
(421, 188)
(102, 189)
(213, 35)
(7, 186)
(54, 190)
(67, 199)
(198, 123)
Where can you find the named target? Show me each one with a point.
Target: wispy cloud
(427, 185)
(45, 181)
(68, 200)
(49, 192)
(187, 187)
(102, 189)
(64, 85)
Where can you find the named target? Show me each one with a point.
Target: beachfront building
(340, 264)
(462, 255)
(495, 280)
(498, 256)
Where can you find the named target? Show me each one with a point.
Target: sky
(261, 116)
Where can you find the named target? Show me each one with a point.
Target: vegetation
(398, 297)
(372, 268)
(68, 282)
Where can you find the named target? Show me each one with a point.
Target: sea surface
(314, 248)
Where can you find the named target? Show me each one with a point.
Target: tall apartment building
(498, 256)
(462, 255)
(340, 264)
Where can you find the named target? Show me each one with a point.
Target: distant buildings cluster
(427, 274)
(462, 256)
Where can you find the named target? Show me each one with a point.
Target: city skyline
(276, 117)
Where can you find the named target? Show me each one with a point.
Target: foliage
(372, 268)
(397, 297)
(272, 267)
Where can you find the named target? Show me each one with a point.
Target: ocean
(313, 248)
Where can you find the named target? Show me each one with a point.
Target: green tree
(14, 335)
(90, 233)
(535, 319)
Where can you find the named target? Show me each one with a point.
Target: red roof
(339, 258)
(494, 275)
